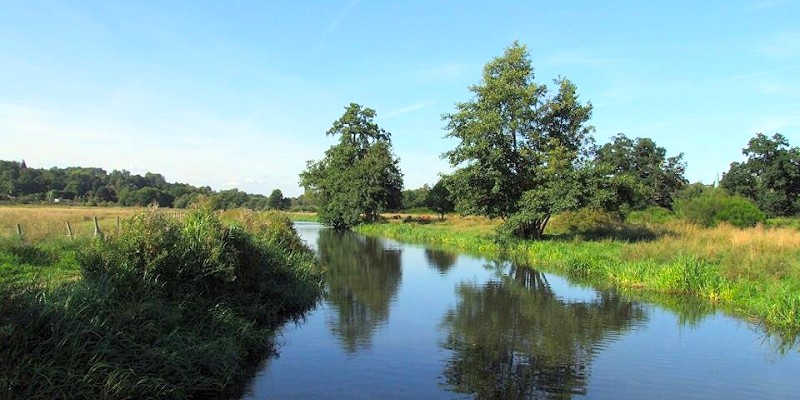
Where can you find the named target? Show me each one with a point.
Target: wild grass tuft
(166, 309)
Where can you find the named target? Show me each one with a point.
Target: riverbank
(164, 308)
(753, 273)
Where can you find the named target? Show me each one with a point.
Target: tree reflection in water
(363, 277)
(512, 338)
(441, 260)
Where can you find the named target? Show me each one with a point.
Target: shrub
(652, 215)
(167, 309)
(715, 206)
(597, 224)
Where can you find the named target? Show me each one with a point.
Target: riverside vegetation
(751, 272)
(165, 308)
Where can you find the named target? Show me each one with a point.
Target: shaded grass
(167, 309)
(753, 273)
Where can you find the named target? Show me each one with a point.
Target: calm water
(406, 322)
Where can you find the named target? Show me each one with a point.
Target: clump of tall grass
(166, 309)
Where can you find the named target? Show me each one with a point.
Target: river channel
(401, 321)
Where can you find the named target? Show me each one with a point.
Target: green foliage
(641, 175)
(358, 176)
(165, 310)
(439, 199)
(650, 216)
(784, 222)
(770, 176)
(416, 198)
(277, 201)
(715, 206)
(517, 146)
(594, 224)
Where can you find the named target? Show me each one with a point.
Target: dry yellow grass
(39, 222)
(452, 222)
(768, 253)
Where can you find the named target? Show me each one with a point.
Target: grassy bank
(166, 308)
(753, 273)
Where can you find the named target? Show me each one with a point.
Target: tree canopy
(438, 199)
(770, 176)
(359, 175)
(522, 153)
(641, 175)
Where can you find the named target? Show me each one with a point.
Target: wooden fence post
(97, 232)
(69, 230)
(119, 226)
(19, 231)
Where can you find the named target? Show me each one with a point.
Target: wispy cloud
(781, 45)
(769, 4)
(590, 58)
(341, 16)
(409, 108)
(440, 72)
(777, 123)
(334, 25)
(192, 148)
(760, 74)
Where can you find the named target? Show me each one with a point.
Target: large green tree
(359, 176)
(640, 173)
(522, 154)
(770, 176)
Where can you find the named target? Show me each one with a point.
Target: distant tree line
(20, 183)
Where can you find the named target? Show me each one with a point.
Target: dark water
(406, 322)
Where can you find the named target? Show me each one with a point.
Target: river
(401, 321)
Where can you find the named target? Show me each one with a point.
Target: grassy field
(165, 308)
(753, 273)
(39, 223)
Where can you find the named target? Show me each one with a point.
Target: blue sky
(240, 94)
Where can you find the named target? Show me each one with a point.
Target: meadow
(753, 273)
(164, 306)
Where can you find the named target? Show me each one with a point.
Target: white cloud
(590, 58)
(407, 109)
(334, 25)
(769, 4)
(781, 45)
(341, 16)
(777, 124)
(444, 71)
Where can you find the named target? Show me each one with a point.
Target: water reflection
(441, 260)
(363, 277)
(513, 338)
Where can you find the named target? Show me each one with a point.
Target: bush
(167, 309)
(650, 216)
(715, 206)
(597, 224)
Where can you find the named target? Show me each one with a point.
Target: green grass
(752, 273)
(166, 309)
